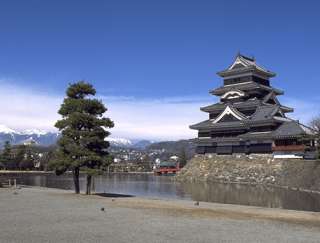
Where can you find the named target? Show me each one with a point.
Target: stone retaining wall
(253, 169)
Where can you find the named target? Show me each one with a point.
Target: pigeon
(196, 203)
(113, 199)
(102, 209)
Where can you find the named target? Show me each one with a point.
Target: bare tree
(315, 124)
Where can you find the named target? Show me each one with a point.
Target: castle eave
(246, 86)
(227, 73)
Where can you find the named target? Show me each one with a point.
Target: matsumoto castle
(249, 118)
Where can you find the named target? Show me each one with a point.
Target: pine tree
(83, 132)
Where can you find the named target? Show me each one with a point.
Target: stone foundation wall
(253, 169)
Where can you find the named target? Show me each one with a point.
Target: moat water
(148, 185)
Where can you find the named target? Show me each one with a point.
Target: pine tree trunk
(89, 180)
(76, 180)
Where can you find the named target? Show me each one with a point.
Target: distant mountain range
(28, 136)
(43, 138)
(127, 143)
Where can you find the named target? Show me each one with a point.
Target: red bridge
(167, 168)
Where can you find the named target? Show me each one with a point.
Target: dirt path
(51, 215)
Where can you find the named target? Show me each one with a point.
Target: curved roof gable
(230, 111)
(232, 94)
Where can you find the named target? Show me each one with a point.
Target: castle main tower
(249, 118)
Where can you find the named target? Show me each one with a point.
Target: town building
(249, 117)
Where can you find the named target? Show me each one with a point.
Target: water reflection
(253, 195)
(146, 185)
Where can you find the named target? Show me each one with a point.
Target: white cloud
(23, 108)
(167, 118)
(157, 119)
(163, 119)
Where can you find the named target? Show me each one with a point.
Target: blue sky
(152, 62)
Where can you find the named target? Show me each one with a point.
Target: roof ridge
(248, 58)
(247, 63)
(237, 111)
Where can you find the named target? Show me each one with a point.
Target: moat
(165, 187)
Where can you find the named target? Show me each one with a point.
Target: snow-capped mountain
(6, 130)
(34, 132)
(120, 142)
(127, 143)
(44, 138)
(20, 137)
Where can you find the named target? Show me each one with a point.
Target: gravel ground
(51, 215)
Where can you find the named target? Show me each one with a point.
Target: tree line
(25, 157)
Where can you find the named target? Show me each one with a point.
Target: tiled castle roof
(245, 63)
(247, 86)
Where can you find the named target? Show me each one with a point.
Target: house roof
(293, 128)
(167, 164)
